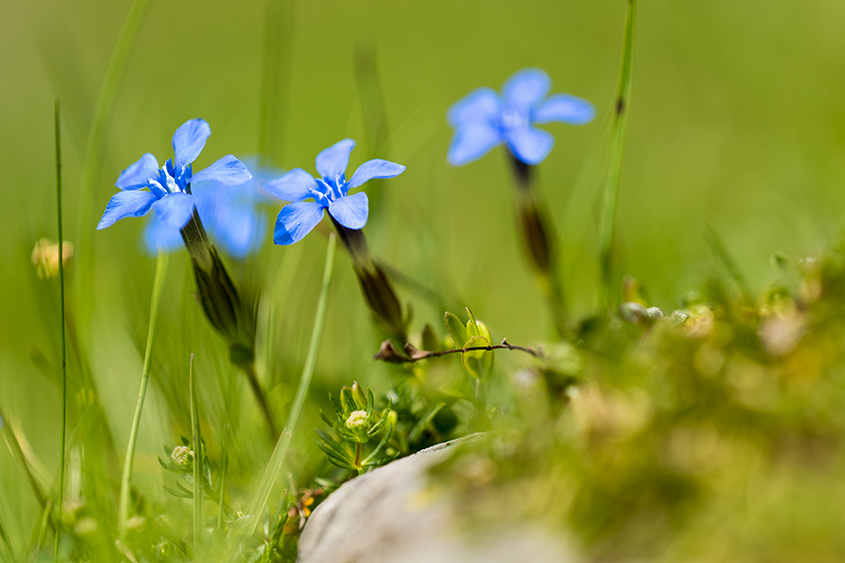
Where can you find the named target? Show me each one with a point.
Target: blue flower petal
(293, 186)
(472, 140)
(332, 162)
(296, 220)
(189, 140)
(174, 210)
(565, 108)
(529, 144)
(372, 169)
(135, 177)
(480, 104)
(526, 88)
(126, 204)
(238, 230)
(228, 171)
(351, 211)
(157, 236)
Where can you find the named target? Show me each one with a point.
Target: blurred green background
(737, 122)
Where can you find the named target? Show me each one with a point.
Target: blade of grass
(94, 149)
(123, 504)
(720, 250)
(196, 439)
(614, 166)
(274, 466)
(56, 118)
(5, 537)
(224, 466)
(278, 34)
(15, 446)
(288, 267)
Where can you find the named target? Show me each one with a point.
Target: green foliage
(356, 422)
(713, 433)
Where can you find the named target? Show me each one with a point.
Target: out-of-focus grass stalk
(278, 30)
(196, 440)
(288, 267)
(15, 446)
(614, 167)
(56, 119)
(224, 467)
(717, 245)
(5, 537)
(123, 503)
(271, 472)
(375, 120)
(45, 524)
(94, 150)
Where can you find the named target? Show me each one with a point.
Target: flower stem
(262, 494)
(376, 286)
(617, 146)
(539, 238)
(61, 492)
(123, 505)
(252, 378)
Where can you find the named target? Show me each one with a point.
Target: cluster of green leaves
(477, 363)
(712, 433)
(356, 423)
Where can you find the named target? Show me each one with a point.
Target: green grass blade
(94, 150)
(614, 167)
(274, 466)
(61, 493)
(224, 467)
(123, 505)
(720, 250)
(5, 537)
(196, 440)
(15, 446)
(275, 71)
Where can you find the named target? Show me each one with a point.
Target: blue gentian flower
(329, 192)
(169, 186)
(228, 214)
(483, 119)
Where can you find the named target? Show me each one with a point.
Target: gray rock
(388, 515)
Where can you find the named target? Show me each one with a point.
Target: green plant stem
(271, 472)
(94, 148)
(252, 378)
(123, 505)
(198, 459)
(614, 169)
(61, 494)
(540, 241)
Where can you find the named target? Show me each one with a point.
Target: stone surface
(388, 515)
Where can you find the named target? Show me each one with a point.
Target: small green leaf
(483, 331)
(456, 328)
(347, 401)
(429, 338)
(472, 325)
(424, 421)
(477, 363)
(338, 408)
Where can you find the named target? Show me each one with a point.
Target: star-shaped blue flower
(331, 192)
(169, 185)
(483, 119)
(228, 213)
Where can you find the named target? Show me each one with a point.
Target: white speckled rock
(386, 516)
